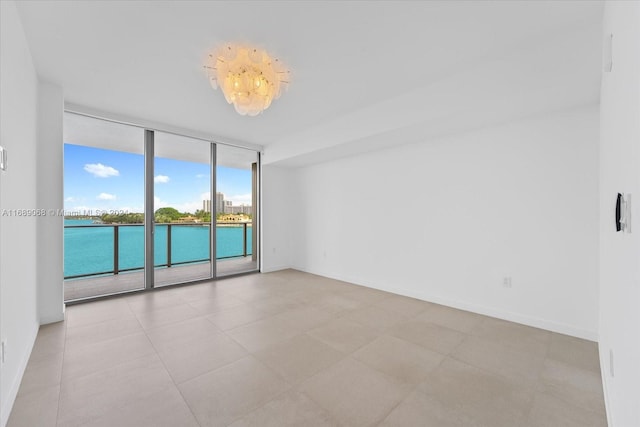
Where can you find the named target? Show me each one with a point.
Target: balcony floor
(75, 289)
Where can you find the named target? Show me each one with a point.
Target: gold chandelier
(249, 78)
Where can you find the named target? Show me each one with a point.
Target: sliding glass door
(145, 208)
(236, 207)
(182, 218)
(103, 208)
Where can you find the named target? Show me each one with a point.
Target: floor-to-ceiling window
(104, 192)
(182, 185)
(146, 208)
(236, 208)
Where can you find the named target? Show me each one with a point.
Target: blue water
(89, 250)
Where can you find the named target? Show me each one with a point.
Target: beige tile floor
(294, 349)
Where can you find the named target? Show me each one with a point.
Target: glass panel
(182, 183)
(103, 203)
(236, 210)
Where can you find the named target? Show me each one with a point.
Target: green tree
(162, 219)
(167, 214)
(128, 218)
(203, 215)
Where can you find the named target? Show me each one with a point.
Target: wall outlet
(3, 350)
(506, 281)
(273, 250)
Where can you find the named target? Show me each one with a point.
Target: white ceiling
(365, 74)
(91, 132)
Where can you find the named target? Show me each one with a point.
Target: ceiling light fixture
(249, 78)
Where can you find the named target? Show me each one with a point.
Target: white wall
(50, 275)
(620, 253)
(18, 134)
(446, 220)
(277, 210)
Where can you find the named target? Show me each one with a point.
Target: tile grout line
(412, 389)
(289, 389)
(533, 387)
(93, 372)
(175, 385)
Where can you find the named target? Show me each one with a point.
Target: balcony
(102, 259)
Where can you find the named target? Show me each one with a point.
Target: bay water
(90, 249)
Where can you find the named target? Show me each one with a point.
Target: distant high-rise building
(242, 209)
(206, 205)
(219, 203)
(226, 206)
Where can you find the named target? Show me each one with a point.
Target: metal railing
(169, 262)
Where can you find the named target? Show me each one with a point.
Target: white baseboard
(535, 322)
(9, 400)
(273, 268)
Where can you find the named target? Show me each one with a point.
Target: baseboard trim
(271, 269)
(535, 322)
(7, 405)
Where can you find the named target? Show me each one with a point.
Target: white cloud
(201, 175)
(70, 199)
(161, 179)
(101, 171)
(106, 196)
(157, 203)
(190, 207)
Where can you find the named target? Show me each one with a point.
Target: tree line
(161, 216)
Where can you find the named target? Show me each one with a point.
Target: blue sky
(98, 179)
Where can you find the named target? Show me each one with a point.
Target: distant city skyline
(100, 180)
(224, 206)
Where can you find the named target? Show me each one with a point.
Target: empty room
(319, 213)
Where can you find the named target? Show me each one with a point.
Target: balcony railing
(88, 245)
